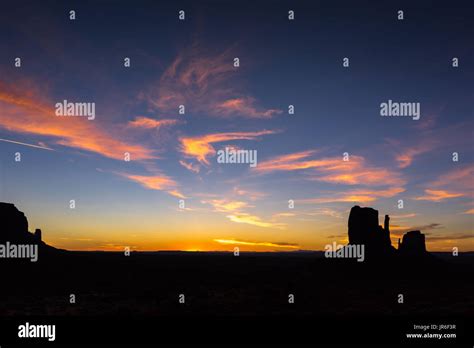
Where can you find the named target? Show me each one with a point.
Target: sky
(335, 151)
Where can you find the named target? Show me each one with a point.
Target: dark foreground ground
(149, 284)
(240, 299)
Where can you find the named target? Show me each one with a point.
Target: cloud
(282, 215)
(314, 212)
(252, 195)
(469, 212)
(201, 148)
(268, 244)
(403, 216)
(355, 171)
(459, 178)
(333, 169)
(150, 123)
(399, 230)
(234, 209)
(226, 206)
(325, 212)
(155, 182)
(453, 237)
(244, 106)
(245, 218)
(438, 195)
(405, 158)
(27, 111)
(453, 184)
(288, 162)
(204, 83)
(356, 196)
(191, 167)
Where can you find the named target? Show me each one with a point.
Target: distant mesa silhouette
(364, 228)
(413, 243)
(14, 229)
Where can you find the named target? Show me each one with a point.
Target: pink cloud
(204, 83)
(27, 111)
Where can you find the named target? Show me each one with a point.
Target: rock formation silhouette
(413, 243)
(364, 228)
(14, 228)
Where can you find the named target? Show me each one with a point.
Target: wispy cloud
(155, 182)
(451, 237)
(27, 111)
(250, 243)
(190, 166)
(333, 169)
(403, 216)
(438, 195)
(355, 196)
(468, 212)
(428, 227)
(250, 194)
(249, 219)
(225, 205)
(325, 212)
(204, 83)
(235, 211)
(405, 158)
(244, 106)
(150, 123)
(200, 147)
(460, 178)
(455, 183)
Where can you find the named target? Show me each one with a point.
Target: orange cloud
(359, 196)
(201, 82)
(244, 106)
(460, 178)
(268, 244)
(438, 195)
(469, 212)
(454, 184)
(334, 169)
(252, 195)
(24, 110)
(283, 215)
(405, 159)
(200, 147)
(287, 162)
(155, 182)
(245, 218)
(234, 209)
(149, 123)
(403, 216)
